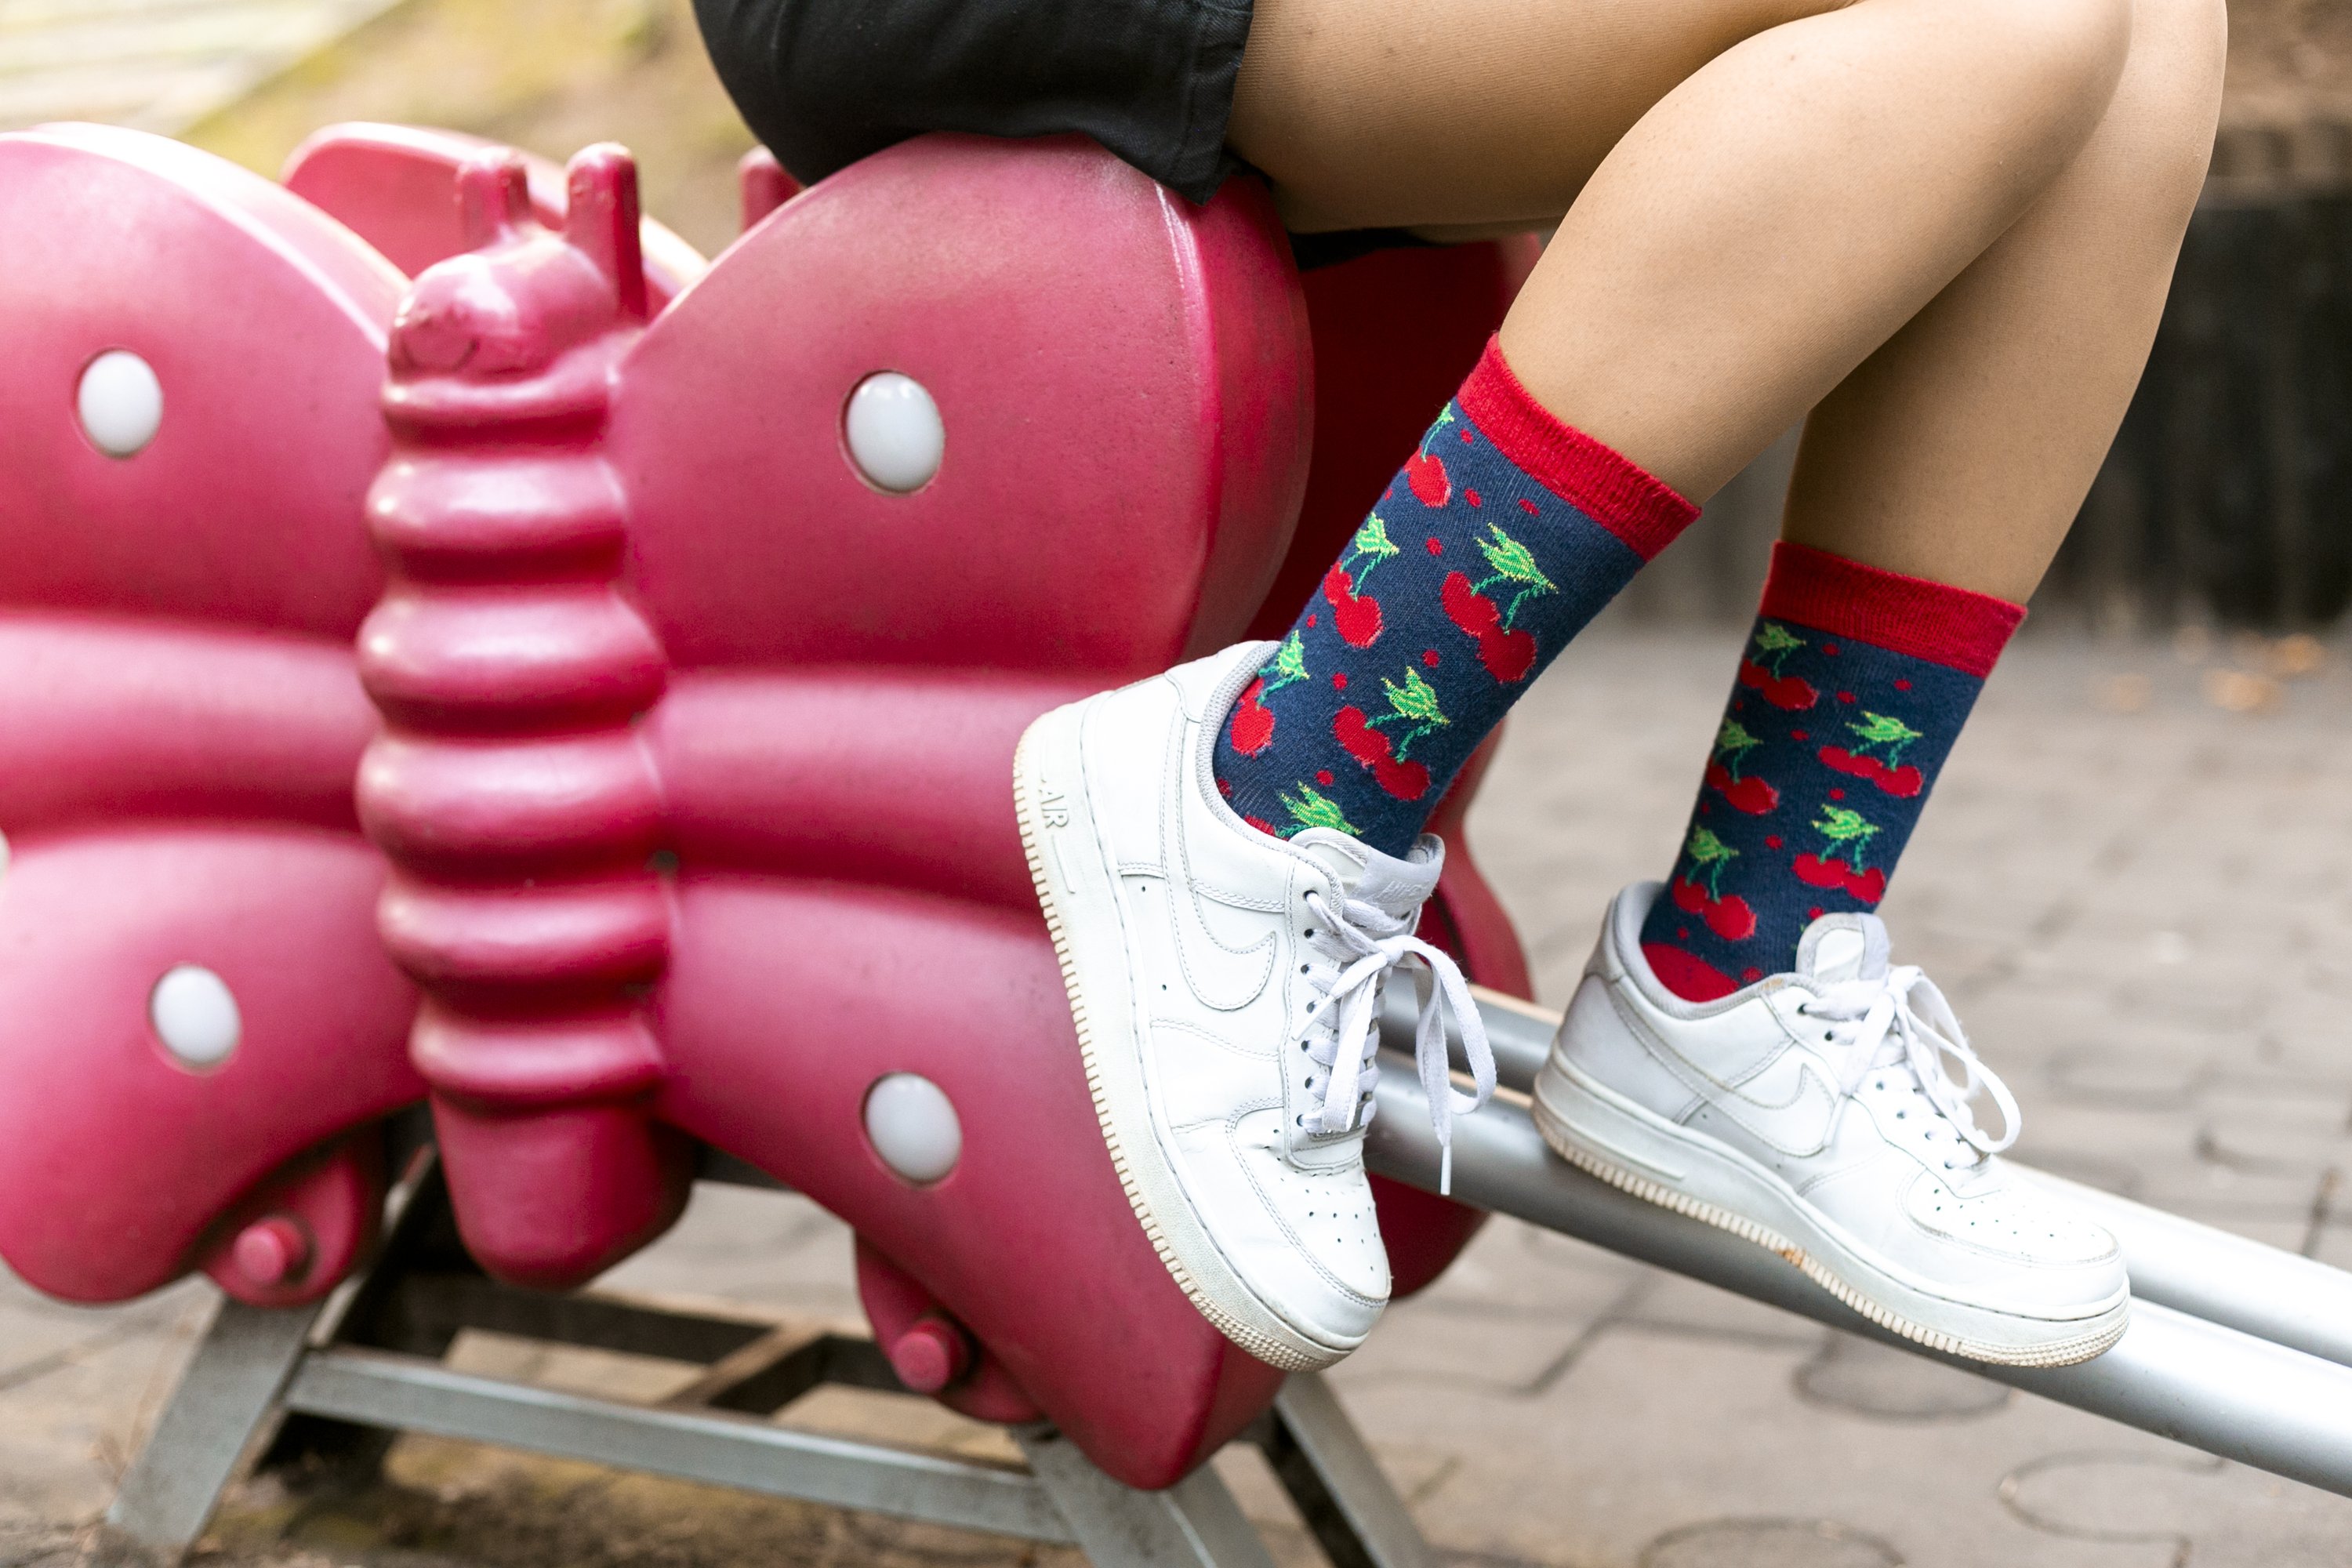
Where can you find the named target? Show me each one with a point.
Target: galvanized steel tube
(2198, 1381)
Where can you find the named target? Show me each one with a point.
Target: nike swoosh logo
(1224, 979)
(1806, 1114)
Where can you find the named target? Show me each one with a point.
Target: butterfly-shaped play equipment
(577, 684)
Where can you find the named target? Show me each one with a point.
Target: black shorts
(825, 82)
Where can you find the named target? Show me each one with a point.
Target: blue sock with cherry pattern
(1504, 534)
(1853, 688)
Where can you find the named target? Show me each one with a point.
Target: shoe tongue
(1398, 886)
(1844, 947)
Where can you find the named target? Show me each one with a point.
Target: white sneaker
(1812, 1112)
(1226, 987)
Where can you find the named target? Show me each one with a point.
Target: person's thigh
(1460, 114)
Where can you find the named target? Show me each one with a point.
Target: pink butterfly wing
(1120, 376)
(180, 721)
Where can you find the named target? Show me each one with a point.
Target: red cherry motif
(1730, 919)
(1356, 619)
(1508, 655)
(1815, 872)
(1903, 783)
(1424, 473)
(1783, 692)
(1406, 781)
(1252, 730)
(1750, 795)
(1689, 977)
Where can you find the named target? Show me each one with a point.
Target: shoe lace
(1367, 943)
(1901, 1020)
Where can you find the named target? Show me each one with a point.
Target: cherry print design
(1805, 806)
(1456, 590)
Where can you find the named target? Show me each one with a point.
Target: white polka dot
(194, 1016)
(896, 436)
(913, 1126)
(121, 403)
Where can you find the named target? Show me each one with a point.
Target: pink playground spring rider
(458, 645)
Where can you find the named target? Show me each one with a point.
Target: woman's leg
(1934, 484)
(1744, 233)
(1759, 197)
(1757, 209)
(1961, 449)
(1799, 194)
(1948, 223)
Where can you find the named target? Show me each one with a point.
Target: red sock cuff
(1951, 626)
(1612, 490)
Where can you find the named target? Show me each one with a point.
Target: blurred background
(2226, 505)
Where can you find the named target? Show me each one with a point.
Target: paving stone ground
(2134, 884)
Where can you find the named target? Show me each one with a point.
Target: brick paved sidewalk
(2137, 898)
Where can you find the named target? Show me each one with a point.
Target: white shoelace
(1373, 943)
(1883, 1028)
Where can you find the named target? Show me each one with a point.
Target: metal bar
(227, 1394)
(762, 1377)
(2195, 1268)
(2228, 1392)
(378, 1388)
(421, 1235)
(1341, 1490)
(1195, 1523)
(2265, 1292)
(587, 1318)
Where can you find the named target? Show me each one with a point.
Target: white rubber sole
(1631, 1147)
(1087, 919)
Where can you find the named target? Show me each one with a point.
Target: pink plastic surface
(567, 727)
(395, 186)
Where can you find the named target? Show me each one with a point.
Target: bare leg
(1962, 450)
(1744, 233)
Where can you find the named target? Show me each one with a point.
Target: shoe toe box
(2033, 1252)
(1305, 1238)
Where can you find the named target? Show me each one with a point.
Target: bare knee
(2052, 65)
(2170, 95)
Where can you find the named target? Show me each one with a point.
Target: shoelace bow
(1886, 1030)
(1377, 943)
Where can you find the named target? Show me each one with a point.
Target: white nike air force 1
(1226, 986)
(1815, 1113)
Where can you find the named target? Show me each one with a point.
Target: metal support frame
(339, 1384)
